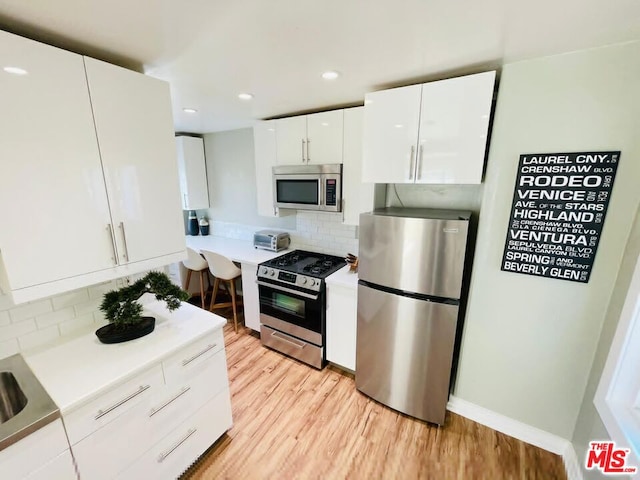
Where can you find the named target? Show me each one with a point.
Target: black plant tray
(112, 334)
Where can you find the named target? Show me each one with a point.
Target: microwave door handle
(321, 199)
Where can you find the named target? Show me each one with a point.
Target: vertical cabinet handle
(303, 150)
(113, 245)
(411, 164)
(308, 157)
(124, 241)
(419, 165)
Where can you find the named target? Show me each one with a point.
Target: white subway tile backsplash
(33, 324)
(30, 310)
(16, 330)
(98, 291)
(88, 307)
(53, 318)
(5, 302)
(8, 348)
(83, 323)
(70, 299)
(39, 337)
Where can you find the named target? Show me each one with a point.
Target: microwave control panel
(330, 189)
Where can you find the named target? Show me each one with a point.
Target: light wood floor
(292, 421)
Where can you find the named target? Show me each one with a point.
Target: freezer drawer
(404, 352)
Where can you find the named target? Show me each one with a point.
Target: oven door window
(301, 311)
(304, 192)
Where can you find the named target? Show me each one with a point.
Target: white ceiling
(211, 50)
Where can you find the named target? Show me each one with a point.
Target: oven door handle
(288, 290)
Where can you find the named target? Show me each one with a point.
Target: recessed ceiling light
(245, 96)
(189, 110)
(398, 125)
(330, 75)
(325, 124)
(15, 70)
(368, 101)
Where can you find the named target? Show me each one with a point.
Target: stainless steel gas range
(293, 301)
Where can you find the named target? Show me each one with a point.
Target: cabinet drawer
(113, 404)
(193, 359)
(177, 451)
(104, 454)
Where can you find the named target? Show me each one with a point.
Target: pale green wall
(589, 425)
(231, 174)
(529, 342)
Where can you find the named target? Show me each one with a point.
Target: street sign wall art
(559, 206)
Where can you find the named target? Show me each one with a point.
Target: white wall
(231, 175)
(529, 342)
(589, 426)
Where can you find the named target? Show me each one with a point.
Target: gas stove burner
(301, 262)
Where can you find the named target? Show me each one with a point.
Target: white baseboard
(571, 464)
(521, 431)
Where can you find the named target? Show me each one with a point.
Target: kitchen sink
(25, 406)
(12, 398)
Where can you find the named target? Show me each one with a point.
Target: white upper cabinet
(310, 139)
(454, 124)
(264, 144)
(357, 197)
(291, 135)
(89, 185)
(192, 170)
(432, 133)
(391, 122)
(134, 124)
(53, 204)
(325, 137)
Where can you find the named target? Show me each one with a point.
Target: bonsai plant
(124, 313)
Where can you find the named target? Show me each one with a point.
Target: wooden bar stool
(226, 271)
(195, 263)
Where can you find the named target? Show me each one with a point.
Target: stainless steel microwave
(308, 187)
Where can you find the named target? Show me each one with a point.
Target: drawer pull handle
(102, 413)
(286, 338)
(189, 360)
(174, 398)
(164, 455)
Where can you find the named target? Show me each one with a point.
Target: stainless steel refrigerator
(411, 263)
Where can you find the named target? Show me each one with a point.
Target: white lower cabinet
(36, 456)
(116, 434)
(250, 297)
(178, 450)
(342, 306)
(60, 468)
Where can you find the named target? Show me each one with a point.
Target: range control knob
(272, 272)
(303, 280)
(312, 282)
(263, 271)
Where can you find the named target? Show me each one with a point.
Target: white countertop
(78, 370)
(343, 277)
(241, 251)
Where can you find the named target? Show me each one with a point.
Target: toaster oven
(271, 240)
